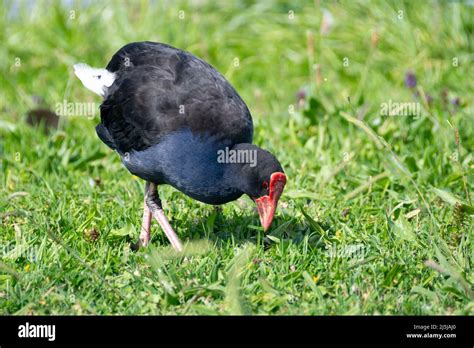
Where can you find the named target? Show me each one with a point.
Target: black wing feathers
(161, 89)
(104, 135)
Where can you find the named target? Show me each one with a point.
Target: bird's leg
(152, 200)
(144, 238)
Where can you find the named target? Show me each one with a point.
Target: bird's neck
(211, 175)
(218, 176)
(219, 170)
(205, 168)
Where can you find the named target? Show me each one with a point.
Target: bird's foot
(142, 242)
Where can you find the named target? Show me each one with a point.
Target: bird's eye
(265, 185)
(98, 77)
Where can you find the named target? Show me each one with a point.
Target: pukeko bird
(174, 119)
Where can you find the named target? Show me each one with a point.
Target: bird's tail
(96, 80)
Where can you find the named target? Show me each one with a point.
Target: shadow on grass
(240, 230)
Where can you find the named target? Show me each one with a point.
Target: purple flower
(410, 79)
(301, 95)
(456, 101)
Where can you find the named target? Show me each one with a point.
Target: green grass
(376, 217)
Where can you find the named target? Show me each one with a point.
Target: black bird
(174, 119)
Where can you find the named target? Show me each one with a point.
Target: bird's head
(263, 180)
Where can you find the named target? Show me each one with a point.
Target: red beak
(266, 205)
